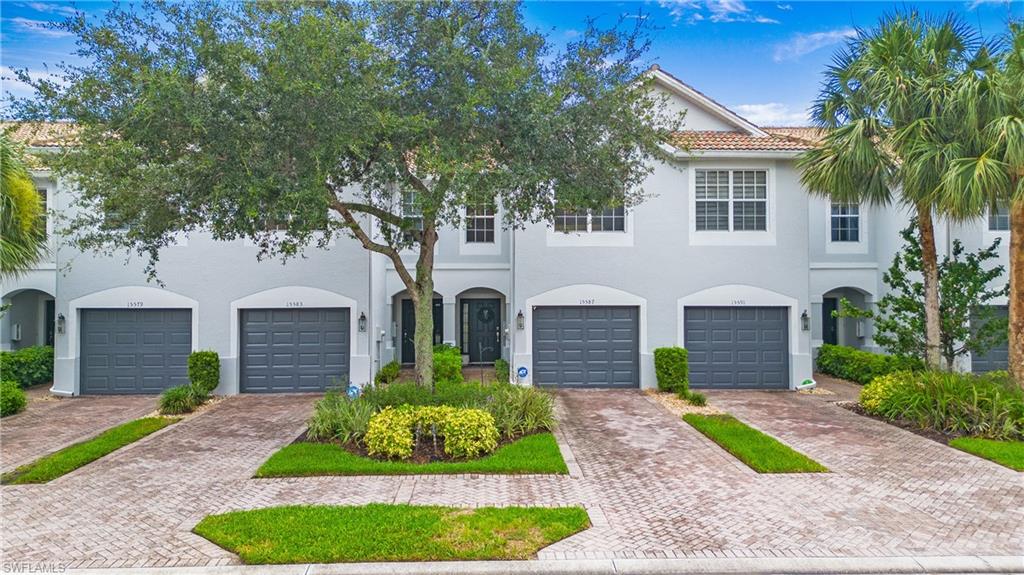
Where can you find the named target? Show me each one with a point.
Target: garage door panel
(737, 347)
(586, 346)
(294, 350)
(134, 351)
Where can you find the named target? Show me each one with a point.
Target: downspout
(512, 329)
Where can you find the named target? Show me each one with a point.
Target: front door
(50, 319)
(829, 323)
(482, 327)
(409, 328)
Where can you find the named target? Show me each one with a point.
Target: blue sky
(762, 59)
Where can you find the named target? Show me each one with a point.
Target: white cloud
(773, 114)
(12, 85)
(784, 7)
(51, 8)
(800, 44)
(720, 11)
(975, 3)
(40, 27)
(570, 33)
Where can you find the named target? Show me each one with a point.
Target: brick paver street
(654, 486)
(49, 423)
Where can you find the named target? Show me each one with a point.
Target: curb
(778, 565)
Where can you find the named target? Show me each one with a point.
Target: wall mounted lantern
(805, 321)
(520, 321)
(60, 323)
(362, 322)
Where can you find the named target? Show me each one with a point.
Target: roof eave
(676, 85)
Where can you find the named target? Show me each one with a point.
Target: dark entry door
(50, 320)
(481, 329)
(829, 324)
(409, 328)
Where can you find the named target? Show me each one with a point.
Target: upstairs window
(845, 222)
(731, 200)
(587, 221)
(411, 209)
(480, 223)
(999, 218)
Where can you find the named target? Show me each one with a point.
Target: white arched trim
(290, 297)
(739, 295)
(584, 295)
(126, 297)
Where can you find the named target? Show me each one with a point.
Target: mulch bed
(424, 451)
(939, 436)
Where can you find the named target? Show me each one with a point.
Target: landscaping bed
(382, 532)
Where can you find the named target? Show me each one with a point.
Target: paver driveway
(655, 488)
(49, 423)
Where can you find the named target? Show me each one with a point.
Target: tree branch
(364, 238)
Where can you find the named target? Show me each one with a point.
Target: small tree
(967, 324)
(290, 122)
(22, 213)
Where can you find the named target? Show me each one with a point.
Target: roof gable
(705, 103)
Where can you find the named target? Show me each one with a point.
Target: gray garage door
(134, 350)
(997, 358)
(737, 347)
(289, 350)
(583, 346)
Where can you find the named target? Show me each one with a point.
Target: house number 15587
(589, 301)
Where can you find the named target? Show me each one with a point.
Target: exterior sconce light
(60, 323)
(805, 321)
(520, 321)
(362, 322)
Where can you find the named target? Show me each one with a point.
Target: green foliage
(22, 213)
(447, 364)
(388, 373)
(882, 388)
(967, 322)
(74, 456)
(532, 454)
(180, 399)
(12, 398)
(389, 433)
(338, 418)
(695, 398)
(672, 369)
(466, 432)
(204, 371)
(760, 452)
(501, 370)
(385, 532)
(1006, 453)
(521, 410)
(990, 406)
(861, 366)
(28, 366)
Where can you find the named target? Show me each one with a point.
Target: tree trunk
(1016, 331)
(423, 305)
(930, 271)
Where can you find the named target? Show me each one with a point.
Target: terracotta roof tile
(708, 140)
(40, 134)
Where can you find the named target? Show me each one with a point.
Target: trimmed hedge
(204, 371)
(672, 369)
(28, 366)
(448, 364)
(12, 398)
(387, 374)
(862, 366)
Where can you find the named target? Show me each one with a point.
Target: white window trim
(990, 235)
(598, 239)
(481, 248)
(858, 247)
(732, 238)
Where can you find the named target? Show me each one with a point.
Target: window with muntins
(586, 221)
(999, 218)
(845, 222)
(480, 223)
(410, 209)
(731, 200)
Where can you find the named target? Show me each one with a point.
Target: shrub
(881, 389)
(204, 372)
(862, 366)
(395, 394)
(392, 432)
(336, 417)
(501, 370)
(521, 410)
(28, 366)
(447, 364)
(672, 369)
(389, 433)
(387, 374)
(469, 433)
(180, 399)
(12, 398)
(698, 399)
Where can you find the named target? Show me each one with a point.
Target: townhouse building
(728, 256)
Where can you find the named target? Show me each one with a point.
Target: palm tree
(874, 97)
(22, 216)
(984, 116)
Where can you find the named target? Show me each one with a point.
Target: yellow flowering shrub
(393, 432)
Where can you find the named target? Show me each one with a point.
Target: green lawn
(531, 454)
(760, 452)
(74, 456)
(382, 532)
(1008, 453)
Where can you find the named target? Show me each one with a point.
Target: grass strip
(1006, 453)
(72, 457)
(384, 532)
(760, 452)
(533, 454)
